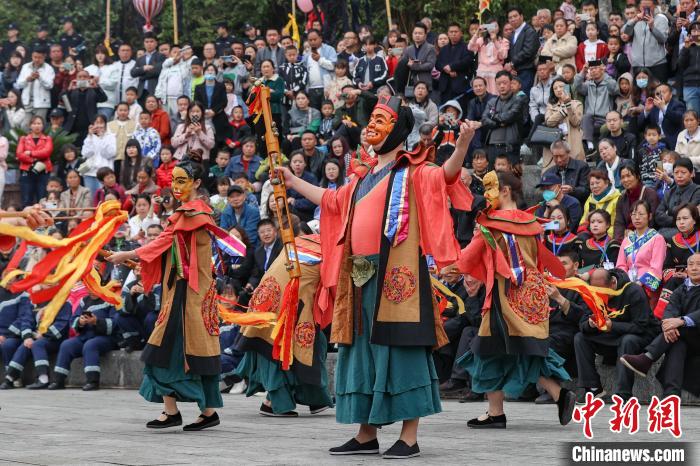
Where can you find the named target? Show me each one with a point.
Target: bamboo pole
(175, 31)
(388, 13)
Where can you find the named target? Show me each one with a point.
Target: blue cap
(549, 179)
(12, 26)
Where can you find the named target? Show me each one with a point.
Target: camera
(82, 83)
(37, 168)
(80, 48)
(227, 58)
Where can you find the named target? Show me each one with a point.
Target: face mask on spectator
(548, 195)
(209, 77)
(642, 83)
(668, 168)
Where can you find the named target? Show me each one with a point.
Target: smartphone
(647, 11)
(659, 165)
(553, 225)
(490, 27)
(584, 16)
(227, 58)
(680, 268)
(683, 15)
(195, 119)
(247, 57)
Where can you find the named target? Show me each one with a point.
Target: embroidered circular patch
(530, 300)
(399, 284)
(266, 297)
(304, 334)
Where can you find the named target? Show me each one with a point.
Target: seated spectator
(565, 113)
(334, 90)
(265, 253)
(144, 183)
(194, 133)
(223, 158)
(648, 155)
(230, 357)
(664, 173)
(502, 164)
(37, 346)
(554, 196)
(239, 213)
(108, 179)
(624, 140)
(447, 130)
(421, 100)
(302, 118)
(561, 238)
(572, 173)
(603, 196)
(299, 204)
(96, 334)
(34, 156)
(679, 339)
(219, 201)
(634, 190)
(325, 129)
(248, 162)
(598, 249)
(133, 161)
(664, 111)
(160, 120)
(75, 197)
(680, 247)
(642, 252)
(15, 308)
(239, 270)
(624, 333)
(164, 172)
(340, 150)
(610, 162)
(148, 137)
(238, 129)
(314, 154)
(625, 100)
(684, 191)
(99, 150)
(353, 115)
(599, 90)
(688, 142)
(276, 84)
(143, 218)
(241, 179)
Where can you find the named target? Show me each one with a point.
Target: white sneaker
(261, 394)
(18, 383)
(239, 388)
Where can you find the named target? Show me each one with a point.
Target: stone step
(125, 370)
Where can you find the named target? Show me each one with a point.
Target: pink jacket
(491, 55)
(183, 143)
(648, 259)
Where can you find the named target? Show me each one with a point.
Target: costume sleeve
(546, 260)
(151, 256)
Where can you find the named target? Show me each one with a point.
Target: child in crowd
(131, 95)
(241, 179)
(164, 172)
(448, 130)
(239, 129)
(592, 48)
(219, 200)
(325, 130)
(334, 89)
(148, 138)
(294, 75)
(108, 179)
(648, 156)
(617, 63)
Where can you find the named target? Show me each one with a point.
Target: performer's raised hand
(121, 257)
(287, 175)
(36, 217)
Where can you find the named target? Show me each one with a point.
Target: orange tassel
(284, 330)
(254, 319)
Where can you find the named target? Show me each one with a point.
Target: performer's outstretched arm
(306, 189)
(453, 165)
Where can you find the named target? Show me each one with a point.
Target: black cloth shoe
(597, 393)
(353, 447)
(566, 405)
(544, 399)
(58, 385)
(491, 422)
(318, 409)
(637, 363)
(91, 386)
(400, 450)
(205, 423)
(172, 421)
(266, 410)
(38, 386)
(6, 385)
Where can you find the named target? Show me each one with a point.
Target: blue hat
(549, 179)
(12, 26)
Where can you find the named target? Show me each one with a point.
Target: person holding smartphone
(648, 32)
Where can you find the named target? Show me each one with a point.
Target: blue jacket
(377, 71)
(57, 331)
(326, 63)
(12, 308)
(105, 313)
(236, 166)
(250, 217)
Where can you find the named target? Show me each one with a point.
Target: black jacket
(461, 61)
(664, 216)
(150, 76)
(502, 119)
(92, 97)
(672, 123)
(575, 175)
(523, 51)
(377, 71)
(475, 110)
(625, 143)
(218, 105)
(563, 327)
(689, 65)
(259, 266)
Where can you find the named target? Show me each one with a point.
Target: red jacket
(164, 174)
(41, 150)
(601, 53)
(160, 121)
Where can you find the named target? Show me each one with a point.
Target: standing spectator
(648, 31)
(501, 120)
(272, 51)
(124, 67)
(689, 66)
(276, 85)
(76, 196)
(83, 94)
(193, 133)
(160, 120)
(72, 43)
(524, 46)
(371, 70)
(173, 81)
(34, 156)
(564, 113)
(148, 138)
(36, 80)
(688, 142)
(599, 90)
(320, 61)
(476, 107)
(665, 111)
(223, 39)
(617, 63)
(99, 150)
(562, 46)
(212, 94)
(14, 112)
(11, 72)
(492, 51)
(123, 129)
(417, 62)
(455, 64)
(41, 39)
(107, 77)
(334, 89)
(10, 45)
(590, 14)
(293, 73)
(148, 66)
(592, 48)
(540, 93)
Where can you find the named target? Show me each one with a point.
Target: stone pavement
(108, 427)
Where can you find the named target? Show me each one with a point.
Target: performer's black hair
(192, 167)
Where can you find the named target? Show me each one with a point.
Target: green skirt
(379, 385)
(173, 381)
(283, 388)
(511, 373)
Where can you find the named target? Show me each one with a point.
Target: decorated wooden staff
(259, 105)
